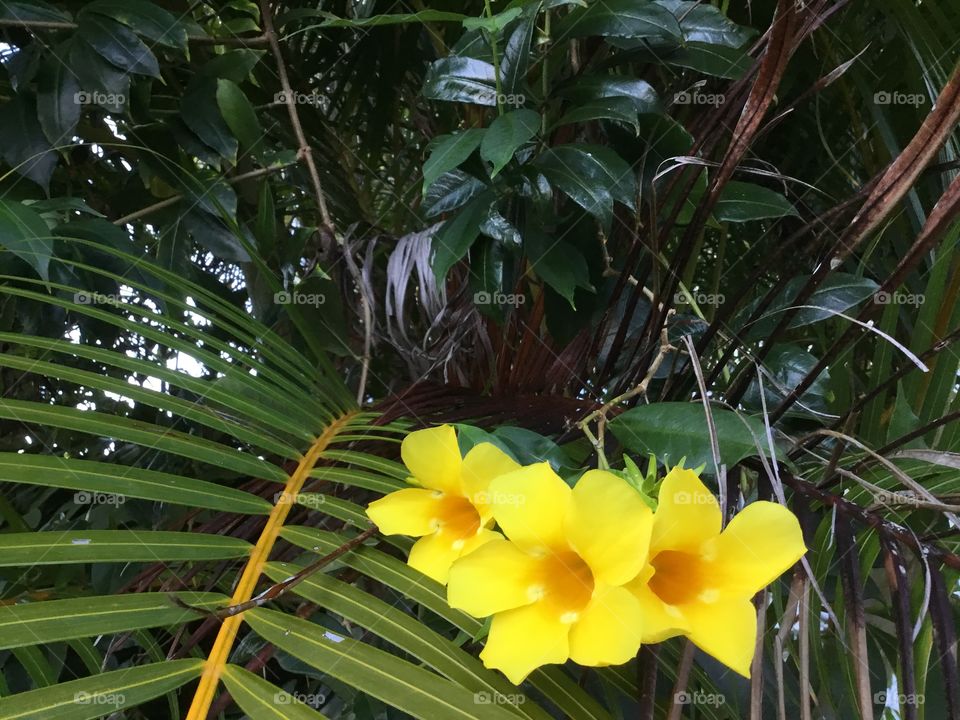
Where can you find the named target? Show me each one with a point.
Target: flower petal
(482, 464)
(759, 545)
(609, 526)
(492, 579)
(609, 629)
(434, 554)
(523, 639)
(660, 621)
(687, 515)
(411, 511)
(530, 505)
(433, 458)
(726, 630)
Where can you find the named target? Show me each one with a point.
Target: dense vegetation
(245, 248)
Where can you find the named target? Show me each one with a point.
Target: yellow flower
(556, 587)
(700, 581)
(451, 511)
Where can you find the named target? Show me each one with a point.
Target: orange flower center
(679, 577)
(565, 583)
(458, 516)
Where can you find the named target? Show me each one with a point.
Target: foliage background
(754, 203)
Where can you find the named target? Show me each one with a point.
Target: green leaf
(213, 234)
(32, 10)
(621, 18)
(421, 17)
(496, 226)
(674, 430)
(58, 101)
(558, 262)
(144, 18)
(598, 87)
(118, 45)
(743, 202)
(789, 364)
(102, 83)
(24, 233)
(516, 53)
(592, 176)
(461, 79)
(704, 23)
(715, 60)
(262, 700)
(100, 695)
(55, 620)
(201, 113)
(493, 24)
(448, 152)
(621, 109)
(451, 191)
(453, 240)
(25, 148)
(239, 114)
(411, 689)
(265, 227)
(91, 478)
(87, 546)
(506, 134)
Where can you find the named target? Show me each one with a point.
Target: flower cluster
(587, 573)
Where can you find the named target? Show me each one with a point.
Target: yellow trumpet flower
(556, 589)
(451, 511)
(699, 581)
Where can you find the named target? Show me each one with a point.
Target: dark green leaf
(453, 240)
(118, 45)
(516, 54)
(102, 83)
(25, 234)
(144, 18)
(239, 114)
(621, 18)
(58, 101)
(620, 109)
(450, 191)
(25, 148)
(506, 134)
(674, 430)
(704, 23)
(558, 262)
(216, 237)
(448, 152)
(201, 112)
(32, 10)
(461, 79)
(423, 16)
(597, 87)
(742, 202)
